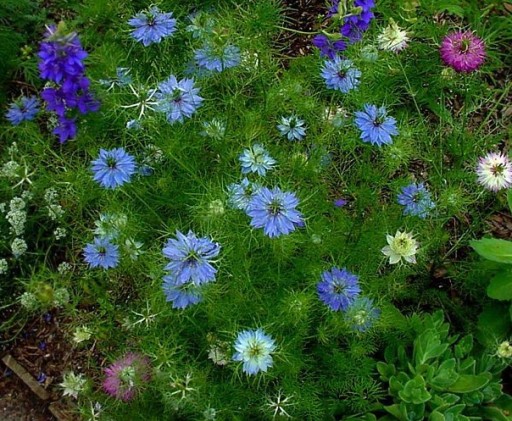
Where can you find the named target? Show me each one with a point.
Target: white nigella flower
(504, 350)
(495, 171)
(392, 38)
(402, 245)
(73, 384)
(82, 334)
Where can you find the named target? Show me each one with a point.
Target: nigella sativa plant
(101, 253)
(256, 159)
(178, 99)
(340, 74)
(152, 25)
(416, 200)
(61, 61)
(292, 127)
(361, 314)
(23, 109)
(113, 168)
(275, 211)
(254, 349)
(217, 59)
(338, 288)
(376, 126)
(240, 193)
(191, 258)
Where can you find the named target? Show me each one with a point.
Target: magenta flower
(125, 377)
(463, 51)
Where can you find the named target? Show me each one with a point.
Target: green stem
(297, 31)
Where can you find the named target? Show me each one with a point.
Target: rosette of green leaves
(441, 379)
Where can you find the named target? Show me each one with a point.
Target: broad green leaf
(500, 287)
(493, 323)
(509, 199)
(493, 249)
(467, 383)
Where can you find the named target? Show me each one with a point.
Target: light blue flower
(253, 349)
(292, 127)
(375, 125)
(152, 25)
(178, 99)
(274, 211)
(241, 193)
(217, 59)
(256, 159)
(340, 75)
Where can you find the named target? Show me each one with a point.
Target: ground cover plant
(227, 210)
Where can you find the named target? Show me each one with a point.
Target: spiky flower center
(339, 288)
(102, 250)
(255, 350)
(111, 163)
(403, 244)
(464, 46)
(127, 375)
(360, 317)
(497, 170)
(275, 207)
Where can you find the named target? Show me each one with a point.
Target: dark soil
(300, 15)
(46, 351)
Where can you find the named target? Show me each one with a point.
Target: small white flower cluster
(64, 268)
(55, 211)
(10, 170)
(18, 247)
(30, 301)
(59, 233)
(214, 129)
(3, 266)
(17, 216)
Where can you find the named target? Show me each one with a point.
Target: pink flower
(125, 376)
(463, 51)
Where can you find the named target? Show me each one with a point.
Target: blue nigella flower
(24, 109)
(152, 25)
(181, 295)
(254, 348)
(338, 288)
(256, 159)
(416, 199)
(376, 127)
(213, 59)
(292, 127)
(178, 99)
(102, 253)
(340, 74)
(240, 193)
(190, 258)
(361, 314)
(274, 211)
(113, 168)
